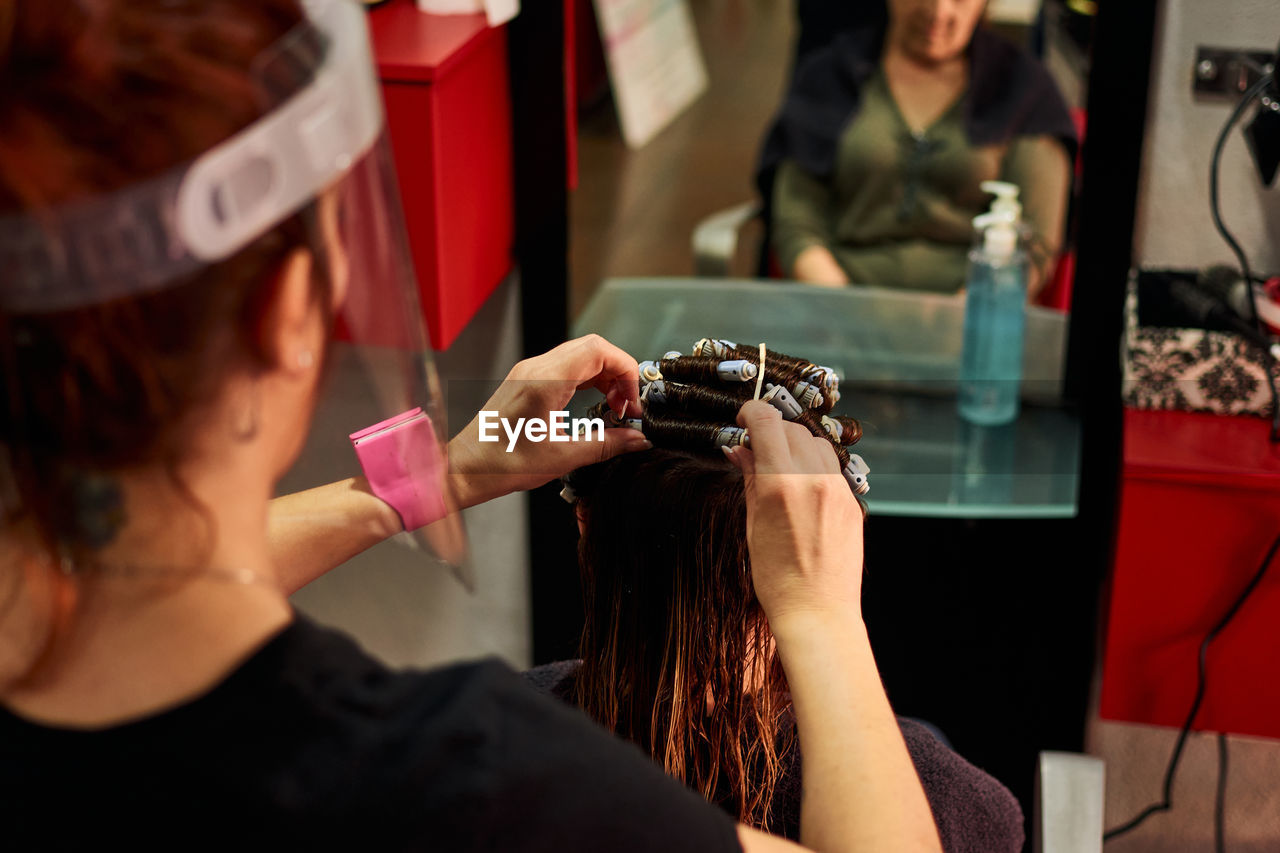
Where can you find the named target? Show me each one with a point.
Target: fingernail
(728, 451)
(641, 445)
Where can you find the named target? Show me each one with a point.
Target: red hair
(96, 96)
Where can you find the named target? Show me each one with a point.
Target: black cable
(1220, 800)
(1166, 802)
(1255, 65)
(1268, 363)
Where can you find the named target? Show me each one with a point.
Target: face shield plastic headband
(152, 234)
(321, 152)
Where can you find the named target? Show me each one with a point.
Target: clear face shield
(322, 153)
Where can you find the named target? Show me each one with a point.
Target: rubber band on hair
(793, 374)
(760, 373)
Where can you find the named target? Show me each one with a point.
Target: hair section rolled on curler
(780, 398)
(855, 474)
(650, 371)
(715, 347)
(692, 402)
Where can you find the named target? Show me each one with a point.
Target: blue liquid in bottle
(994, 320)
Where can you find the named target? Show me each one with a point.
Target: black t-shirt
(312, 742)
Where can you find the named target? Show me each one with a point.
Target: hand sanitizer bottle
(994, 317)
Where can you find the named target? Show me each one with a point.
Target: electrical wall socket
(1228, 71)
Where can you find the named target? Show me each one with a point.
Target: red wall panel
(1200, 505)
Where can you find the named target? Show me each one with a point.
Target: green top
(899, 207)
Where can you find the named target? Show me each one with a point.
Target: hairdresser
(192, 195)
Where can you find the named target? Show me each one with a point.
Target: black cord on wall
(1166, 800)
(1268, 363)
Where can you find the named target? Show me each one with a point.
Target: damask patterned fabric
(1191, 369)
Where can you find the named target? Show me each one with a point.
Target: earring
(306, 359)
(246, 425)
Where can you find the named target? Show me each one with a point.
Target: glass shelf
(897, 354)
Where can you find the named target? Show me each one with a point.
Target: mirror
(953, 507)
(873, 179)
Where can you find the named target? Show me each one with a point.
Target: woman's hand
(816, 265)
(804, 527)
(535, 388)
(804, 531)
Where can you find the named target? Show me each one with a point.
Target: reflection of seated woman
(677, 655)
(874, 163)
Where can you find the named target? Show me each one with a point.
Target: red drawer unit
(1199, 506)
(444, 82)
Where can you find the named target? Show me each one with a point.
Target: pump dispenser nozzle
(999, 226)
(1006, 197)
(999, 233)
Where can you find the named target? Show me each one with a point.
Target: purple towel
(974, 812)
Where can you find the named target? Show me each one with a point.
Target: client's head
(677, 654)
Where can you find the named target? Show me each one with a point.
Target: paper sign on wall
(501, 11)
(655, 64)
(498, 12)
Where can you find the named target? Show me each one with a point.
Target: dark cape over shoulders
(973, 811)
(1010, 94)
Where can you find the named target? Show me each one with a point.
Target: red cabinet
(1200, 505)
(444, 82)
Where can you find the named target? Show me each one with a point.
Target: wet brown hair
(96, 96)
(672, 619)
(676, 652)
